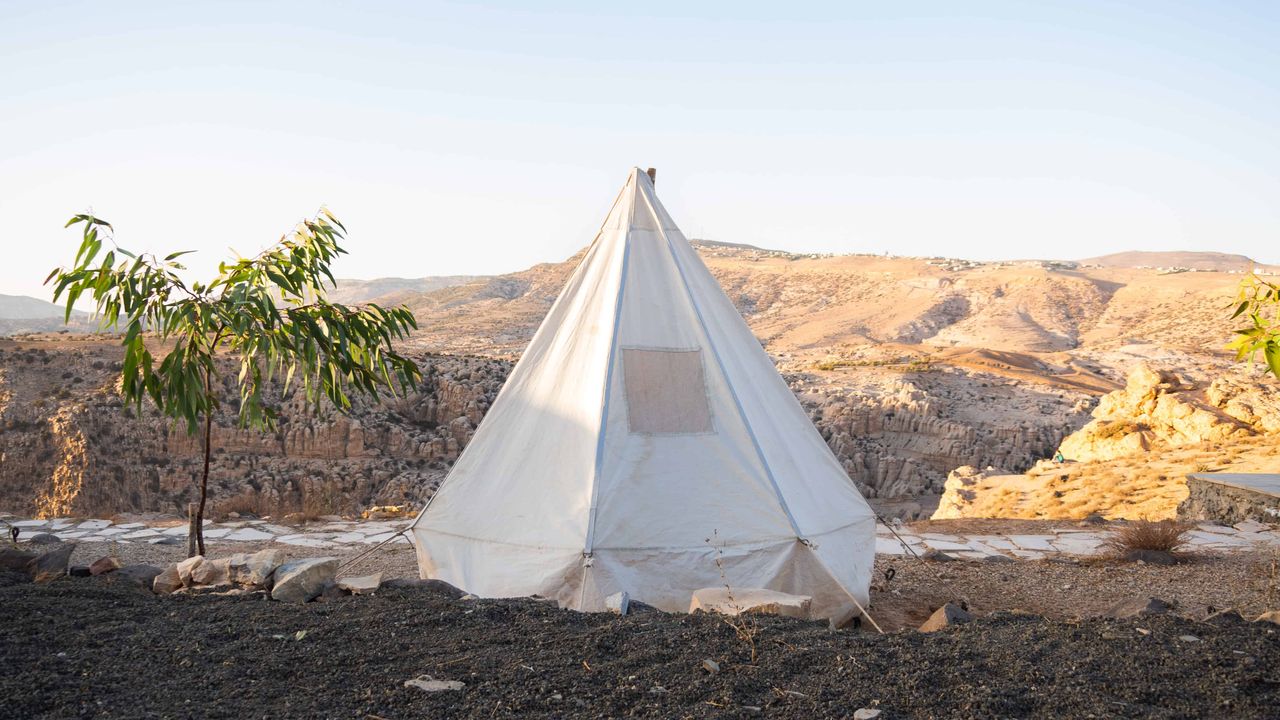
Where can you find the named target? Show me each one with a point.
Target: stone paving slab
(1061, 541)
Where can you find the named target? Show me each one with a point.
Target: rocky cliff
(1132, 458)
(67, 446)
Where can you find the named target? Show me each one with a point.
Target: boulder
(16, 560)
(362, 585)
(439, 587)
(750, 600)
(44, 539)
(187, 567)
(143, 576)
(426, 683)
(79, 571)
(1138, 607)
(618, 603)
(303, 580)
(167, 581)
(1271, 616)
(104, 565)
(946, 616)
(255, 569)
(212, 572)
(51, 565)
(331, 591)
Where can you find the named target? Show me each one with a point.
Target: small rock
(332, 591)
(618, 603)
(1137, 607)
(186, 567)
(1271, 616)
(427, 683)
(302, 580)
(711, 666)
(254, 569)
(436, 586)
(143, 576)
(51, 565)
(1188, 638)
(1224, 617)
(750, 600)
(104, 565)
(212, 572)
(1151, 557)
(945, 616)
(165, 540)
(1094, 519)
(44, 539)
(167, 581)
(363, 585)
(14, 559)
(936, 556)
(866, 714)
(79, 571)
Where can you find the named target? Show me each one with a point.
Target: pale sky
(482, 138)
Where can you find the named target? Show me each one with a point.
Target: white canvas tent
(646, 443)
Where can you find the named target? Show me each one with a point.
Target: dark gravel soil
(95, 648)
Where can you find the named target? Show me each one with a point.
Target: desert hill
(910, 368)
(22, 313)
(351, 291)
(23, 307)
(1203, 261)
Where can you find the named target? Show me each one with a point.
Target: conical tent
(646, 443)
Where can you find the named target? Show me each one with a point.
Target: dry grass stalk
(744, 624)
(1167, 536)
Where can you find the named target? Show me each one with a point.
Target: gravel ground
(96, 648)
(1061, 588)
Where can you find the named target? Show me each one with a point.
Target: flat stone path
(336, 533)
(1063, 541)
(315, 535)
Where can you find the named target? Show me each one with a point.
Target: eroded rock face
(85, 454)
(1132, 460)
(1158, 408)
(71, 449)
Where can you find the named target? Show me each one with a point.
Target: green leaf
(1271, 351)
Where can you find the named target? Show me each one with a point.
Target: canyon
(909, 367)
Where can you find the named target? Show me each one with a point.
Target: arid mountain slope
(909, 367)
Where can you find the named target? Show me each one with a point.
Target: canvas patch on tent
(666, 391)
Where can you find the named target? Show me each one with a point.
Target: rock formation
(1132, 459)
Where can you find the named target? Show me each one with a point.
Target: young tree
(268, 311)
(1259, 301)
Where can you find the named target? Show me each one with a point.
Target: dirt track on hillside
(94, 648)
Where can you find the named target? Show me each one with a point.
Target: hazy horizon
(482, 139)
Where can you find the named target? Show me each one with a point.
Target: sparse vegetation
(1259, 302)
(1162, 536)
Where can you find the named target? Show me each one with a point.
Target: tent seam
(608, 386)
(742, 413)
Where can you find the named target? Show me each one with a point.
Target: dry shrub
(320, 499)
(1167, 536)
(1115, 429)
(246, 503)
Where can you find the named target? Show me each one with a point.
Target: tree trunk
(192, 548)
(204, 480)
